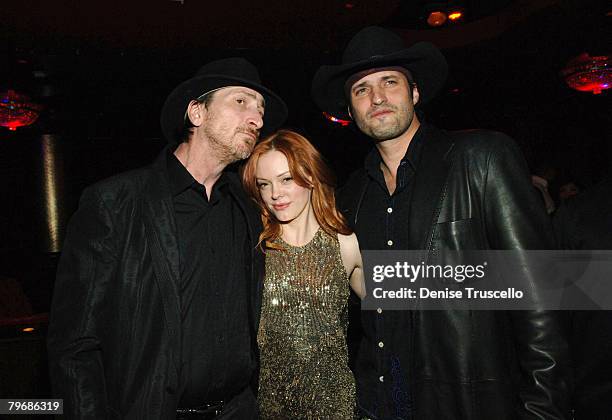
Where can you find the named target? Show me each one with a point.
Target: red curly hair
(308, 169)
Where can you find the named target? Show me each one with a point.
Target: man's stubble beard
(398, 125)
(226, 147)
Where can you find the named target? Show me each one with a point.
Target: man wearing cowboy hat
(427, 189)
(156, 302)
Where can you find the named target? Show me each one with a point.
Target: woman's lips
(280, 206)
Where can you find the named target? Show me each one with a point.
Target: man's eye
(359, 92)
(240, 101)
(391, 82)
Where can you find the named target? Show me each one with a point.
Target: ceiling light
(455, 15)
(436, 18)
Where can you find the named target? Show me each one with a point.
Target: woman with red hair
(312, 258)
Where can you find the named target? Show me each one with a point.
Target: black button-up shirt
(383, 360)
(217, 360)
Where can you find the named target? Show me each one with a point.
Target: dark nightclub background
(100, 71)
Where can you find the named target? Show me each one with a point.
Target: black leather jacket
(472, 191)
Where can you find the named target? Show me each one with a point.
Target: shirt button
(389, 242)
(381, 344)
(379, 310)
(390, 210)
(381, 378)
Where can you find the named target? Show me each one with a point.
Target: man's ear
(195, 113)
(350, 114)
(415, 94)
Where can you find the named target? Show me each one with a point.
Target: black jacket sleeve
(515, 219)
(85, 270)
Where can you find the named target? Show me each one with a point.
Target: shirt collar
(180, 179)
(412, 156)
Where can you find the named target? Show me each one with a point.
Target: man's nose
(378, 96)
(255, 120)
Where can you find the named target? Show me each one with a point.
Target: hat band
(199, 99)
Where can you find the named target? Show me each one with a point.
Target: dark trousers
(242, 407)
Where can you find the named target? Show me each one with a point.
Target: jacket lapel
(429, 187)
(160, 227)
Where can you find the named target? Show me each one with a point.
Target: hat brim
(173, 111)
(426, 63)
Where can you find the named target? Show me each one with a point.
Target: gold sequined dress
(302, 334)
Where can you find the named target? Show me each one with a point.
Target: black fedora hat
(375, 47)
(233, 71)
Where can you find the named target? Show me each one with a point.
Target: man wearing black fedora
(156, 302)
(422, 188)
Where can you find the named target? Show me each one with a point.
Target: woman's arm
(351, 259)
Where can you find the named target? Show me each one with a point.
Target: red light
(16, 110)
(454, 16)
(349, 5)
(331, 118)
(588, 74)
(436, 18)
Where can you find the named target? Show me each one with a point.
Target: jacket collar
(160, 230)
(429, 187)
(159, 209)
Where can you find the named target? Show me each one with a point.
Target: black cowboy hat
(375, 47)
(233, 71)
